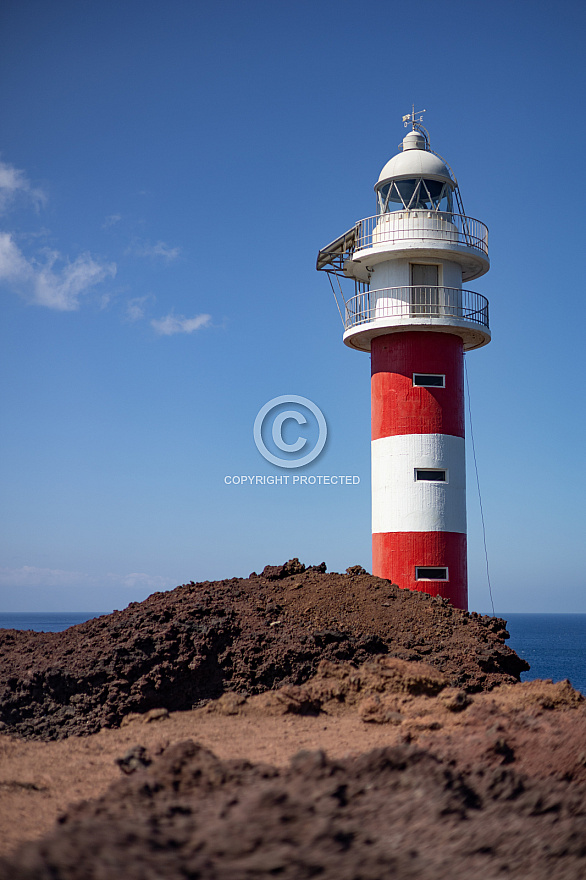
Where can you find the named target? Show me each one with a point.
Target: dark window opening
(424, 289)
(430, 574)
(429, 380)
(432, 475)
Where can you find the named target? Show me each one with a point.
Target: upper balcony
(373, 313)
(406, 233)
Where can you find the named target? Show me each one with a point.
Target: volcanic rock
(179, 649)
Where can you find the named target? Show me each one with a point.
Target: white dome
(414, 140)
(415, 163)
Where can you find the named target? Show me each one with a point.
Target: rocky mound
(537, 726)
(178, 649)
(398, 811)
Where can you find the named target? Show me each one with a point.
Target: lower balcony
(392, 309)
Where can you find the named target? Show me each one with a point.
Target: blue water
(554, 644)
(55, 621)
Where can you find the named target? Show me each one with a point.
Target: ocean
(554, 644)
(47, 621)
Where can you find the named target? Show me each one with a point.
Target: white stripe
(400, 503)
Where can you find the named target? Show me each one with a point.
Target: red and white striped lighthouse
(411, 312)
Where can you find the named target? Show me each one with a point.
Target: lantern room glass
(414, 193)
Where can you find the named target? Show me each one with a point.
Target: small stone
(134, 759)
(501, 747)
(356, 570)
(278, 572)
(228, 704)
(373, 711)
(156, 715)
(454, 699)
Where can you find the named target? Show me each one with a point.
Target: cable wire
(478, 486)
(329, 274)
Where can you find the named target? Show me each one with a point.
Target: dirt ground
(367, 733)
(536, 731)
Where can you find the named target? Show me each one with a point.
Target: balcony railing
(420, 225)
(416, 302)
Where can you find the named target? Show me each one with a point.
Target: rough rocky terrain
(178, 649)
(423, 756)
(470, 798)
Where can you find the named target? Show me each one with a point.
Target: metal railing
(416, 302)
(397, 226)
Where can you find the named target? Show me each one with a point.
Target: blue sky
(168, 175)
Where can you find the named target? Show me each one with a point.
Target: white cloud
(140, 579)
(160, 249)
(14, 268)
(171, 324)
(135, 308)
(13, 182)
(56, 282)
(31, 576)
(61, 289)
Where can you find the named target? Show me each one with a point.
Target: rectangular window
(429, 380)
(424, 289)
(431, 475)
(430, 574)
(424, 274)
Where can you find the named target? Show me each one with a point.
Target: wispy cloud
(14, 267)
(52, 281)
(158, 250)
(140, 579)
(47, 279)
(31, 576)
(171, 324)
(14, 183)
(136, 307)
(111, 220)
(61, 288)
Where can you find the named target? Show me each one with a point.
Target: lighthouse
(409, 264)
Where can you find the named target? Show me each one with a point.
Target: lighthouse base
(397, 556)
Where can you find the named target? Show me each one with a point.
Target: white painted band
(400, 503)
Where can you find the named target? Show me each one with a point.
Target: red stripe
(399, 407)
(395, 555)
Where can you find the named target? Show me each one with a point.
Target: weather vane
(410, 118)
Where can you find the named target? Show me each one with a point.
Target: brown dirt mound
(338, 686)
(536, 728)
(397, 812)
(178, 649)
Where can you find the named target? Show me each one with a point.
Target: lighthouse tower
(411, 312)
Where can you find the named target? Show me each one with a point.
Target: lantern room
(409, 261)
